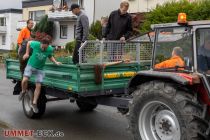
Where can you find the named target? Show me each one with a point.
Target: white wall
(11, 33)
(70, 33)
(144, 5)
(95, 9)
(100, 8)
(89, 9)
(105, 7)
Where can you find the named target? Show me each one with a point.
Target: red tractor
(173, 103)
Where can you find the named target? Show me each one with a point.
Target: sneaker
(21, 95)
(34, 108)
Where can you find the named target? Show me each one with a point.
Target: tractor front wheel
(161, 111)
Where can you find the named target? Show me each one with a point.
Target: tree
(168, 12)
(43, 29)
(96, 29)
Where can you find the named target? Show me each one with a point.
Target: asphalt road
(102, 124)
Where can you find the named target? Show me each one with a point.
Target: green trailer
(100, 77)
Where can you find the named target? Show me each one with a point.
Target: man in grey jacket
(82, 28)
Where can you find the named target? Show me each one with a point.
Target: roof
(36, 3)
(190, 23)
(17, 11)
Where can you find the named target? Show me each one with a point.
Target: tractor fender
(146, 76)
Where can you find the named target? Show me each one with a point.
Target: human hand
(26, 56)
(58, 63)
(122, 39)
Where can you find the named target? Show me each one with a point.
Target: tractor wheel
(161, 111)
(86, 104)
(27, 101)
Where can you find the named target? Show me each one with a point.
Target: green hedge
(44, 26)
(70, 45)
(96, 29)
(168, 12)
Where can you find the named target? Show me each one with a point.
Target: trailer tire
(41, 104)
(86, 104)
(160, 110)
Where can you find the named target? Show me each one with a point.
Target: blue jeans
(39, 74)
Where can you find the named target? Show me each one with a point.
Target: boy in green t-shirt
(41, 51)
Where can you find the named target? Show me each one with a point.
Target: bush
(12, 53)
(70, 46)
(168, 12)
(91, 37)
(96, 29)
(43, 29)
(61, 53)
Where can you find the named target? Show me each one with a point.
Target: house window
(36, 15)
(3, 40)
(63, 31)
(2, 21)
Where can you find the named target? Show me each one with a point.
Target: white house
(64, 29)
(8, 23)
(65, 20)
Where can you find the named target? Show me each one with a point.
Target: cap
(73, 6)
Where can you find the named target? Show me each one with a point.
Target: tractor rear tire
(165, 111)
(86, 104)
(41, 104)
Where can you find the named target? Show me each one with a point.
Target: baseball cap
(73, 6)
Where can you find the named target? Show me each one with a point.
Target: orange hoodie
(172, 62)
(25, 33)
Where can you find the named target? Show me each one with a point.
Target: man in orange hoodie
(174, 61)
(23, 37)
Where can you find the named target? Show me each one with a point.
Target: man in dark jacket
(82, 28)
(119, 25)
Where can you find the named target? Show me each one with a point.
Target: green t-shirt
(39, 57)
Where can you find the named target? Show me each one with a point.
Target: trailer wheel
(26, 105)
(86, 104)
(160, 111)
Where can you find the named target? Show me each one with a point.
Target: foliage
(168, 12)
(91, 37)
(70, 46)
(12, 53)
(43, 29)
(60, 53)
(96, 29)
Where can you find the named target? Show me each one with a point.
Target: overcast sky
(5, 4)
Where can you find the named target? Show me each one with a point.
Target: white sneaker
(34, 108)
(20, 98)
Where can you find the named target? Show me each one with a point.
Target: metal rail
(100, 52)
